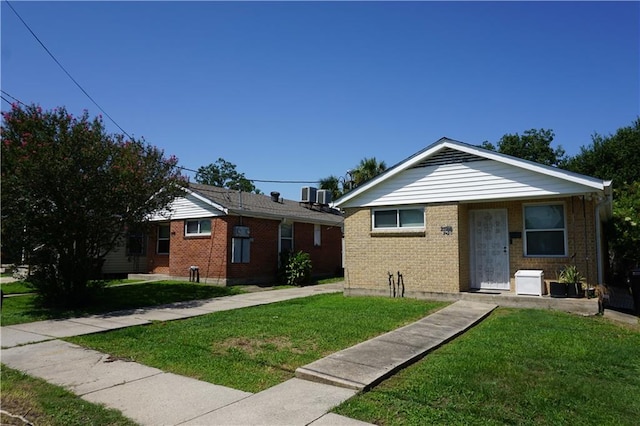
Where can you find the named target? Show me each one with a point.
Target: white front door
(489, 249)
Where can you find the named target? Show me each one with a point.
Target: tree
(617, 158)
(223, 174)
(332, 183)
(70, 191)
(533, 145)
(368, 168)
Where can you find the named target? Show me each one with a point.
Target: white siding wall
(187, 208)
(472, 181)
(117, 262)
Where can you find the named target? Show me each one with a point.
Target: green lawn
(16, 287)
(21, 309)
(44, 404)
(255, 348)
(520, 367)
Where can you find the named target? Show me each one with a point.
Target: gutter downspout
(599, 257)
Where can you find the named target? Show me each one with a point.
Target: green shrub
(298, 268)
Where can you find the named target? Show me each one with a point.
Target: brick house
(236, 237)
(455, 217)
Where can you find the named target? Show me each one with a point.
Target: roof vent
(275, 196)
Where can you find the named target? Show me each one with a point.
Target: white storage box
(530, 282)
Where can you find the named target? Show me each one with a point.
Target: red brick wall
(208, 253)
(326, 259)
(156, 263)
(212, 254)
(263, 265)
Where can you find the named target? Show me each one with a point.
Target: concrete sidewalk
(20, 334)
(152, 397)
(364, 365)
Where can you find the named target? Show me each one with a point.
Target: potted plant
(573, 279)
(557, 288)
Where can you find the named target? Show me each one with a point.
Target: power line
(107, 114)
(177, 166)
(65, 70)
(15, 99)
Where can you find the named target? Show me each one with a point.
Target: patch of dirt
(254, 346)
(19, 407)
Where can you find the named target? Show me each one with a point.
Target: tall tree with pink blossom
(70, 191)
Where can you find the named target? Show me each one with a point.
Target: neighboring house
(237, 237)
(454, 217)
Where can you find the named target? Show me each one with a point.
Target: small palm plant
(571, 276)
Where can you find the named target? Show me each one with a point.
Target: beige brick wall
(428, 261)
(434, 262)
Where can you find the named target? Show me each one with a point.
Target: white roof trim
(208, 201)
(443, 143)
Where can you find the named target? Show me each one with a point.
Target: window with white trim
(240, 250)
(136, 244)
(317, 235)
(545, 230)
(197, 227)
(400, 218)
(164, 232)
(286, 237)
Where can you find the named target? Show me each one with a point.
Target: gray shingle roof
(262, 206)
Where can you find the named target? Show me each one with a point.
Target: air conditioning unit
(241, 232)
(323, 197)
(309, 194)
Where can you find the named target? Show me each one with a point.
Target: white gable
(450, 171)
(469, 181)
(189, 207)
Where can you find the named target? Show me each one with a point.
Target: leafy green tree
(367, 169)
(224, 174)
(70, 191)
(332, 183)
(617, 157)
(532, 145)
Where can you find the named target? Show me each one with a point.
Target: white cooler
(530, 282)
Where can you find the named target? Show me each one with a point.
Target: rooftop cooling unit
(323, 197)
(309, 194)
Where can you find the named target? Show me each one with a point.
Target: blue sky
(300, 91)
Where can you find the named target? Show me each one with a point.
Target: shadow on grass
(16, 310)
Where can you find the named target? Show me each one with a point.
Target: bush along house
(234, 237)
(455, 217)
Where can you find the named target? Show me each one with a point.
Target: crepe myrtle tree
(70, 191)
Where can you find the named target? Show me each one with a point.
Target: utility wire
(15, 99)
(106, 113)
(65, 70)
(176, 166)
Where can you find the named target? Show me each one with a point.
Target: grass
(22, 287)
(16, 287)
(255, 348)
(44, 404)
(517, 367)
(17, 310)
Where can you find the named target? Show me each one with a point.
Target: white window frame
(280, 237)
(317, 235)
(526, 232)
(143, 243)
(397, 227)
(158, 239)
(240, 250)
(199, 232)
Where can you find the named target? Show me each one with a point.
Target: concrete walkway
(150, 396)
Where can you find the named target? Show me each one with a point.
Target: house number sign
(446, 230)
